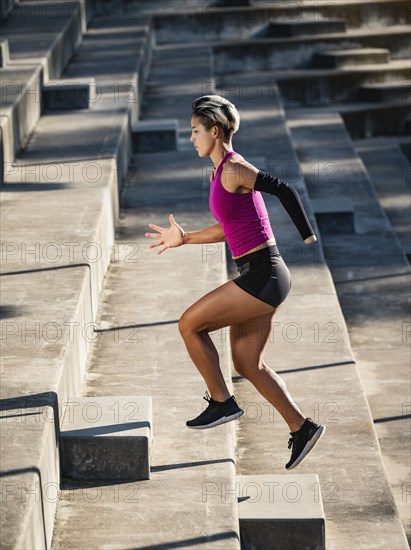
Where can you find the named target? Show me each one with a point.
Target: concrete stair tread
(187, 464)
(387, 85)
(35, 38)
(242, 55)
(170, 507)
(107, 438)
(366, 67)
(356, 51)
(280, 511)
(81, 167)
(376, 267)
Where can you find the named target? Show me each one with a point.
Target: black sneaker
(216, 413)
(303, 441)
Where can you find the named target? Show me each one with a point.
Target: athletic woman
(250, 300)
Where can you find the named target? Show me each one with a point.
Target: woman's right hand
(168, 238)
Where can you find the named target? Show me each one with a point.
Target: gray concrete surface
(106, 438)
(372, 279)
(208, 24)
(310, 348)
(144, 297)
(390, 173)
(66, 251)
(280, 53)
(281, 511)
(40, 33)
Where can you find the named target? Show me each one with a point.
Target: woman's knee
(248, 369)
(189, 324)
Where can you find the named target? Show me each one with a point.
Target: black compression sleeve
(289, 198)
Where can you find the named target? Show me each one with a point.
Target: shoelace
(207, 397)
(290, 442)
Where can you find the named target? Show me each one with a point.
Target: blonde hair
(215, 110)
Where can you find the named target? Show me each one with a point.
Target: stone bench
(154, 136)
(334, 215)
(106, 438)
(69, 94)
(281, 512)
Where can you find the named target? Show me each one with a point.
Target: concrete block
(334, 215)
(4, 53)
(405, 126)
(66, 94)
(154, 136)
(291, 29)
(399, 90)
(106, 438)
(280, 512)
(335, 59)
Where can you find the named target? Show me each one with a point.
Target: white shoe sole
(222, 420)
(308, 447)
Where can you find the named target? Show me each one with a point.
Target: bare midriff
(268, 243)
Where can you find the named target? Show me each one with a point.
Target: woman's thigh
(226, 305)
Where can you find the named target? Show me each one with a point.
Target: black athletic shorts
(264, 274)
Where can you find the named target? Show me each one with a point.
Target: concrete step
(319, 87)
(198, 462)
(106, 438)
(47, 264)
(20, 110)
(406, 125)
(335, 215)
(318, 362)
(120, 74)
(366, 266)
(280, 511)
(154, 136)
(291, 29)
(40, 34)
(4, 53)
(335, 59)
(365, 120)
(386, 162)
(240, 22)
(69, 94)
(5, 8)
(265, 54)
(386, 91)
(37, 49)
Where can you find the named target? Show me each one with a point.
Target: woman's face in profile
(201, 138)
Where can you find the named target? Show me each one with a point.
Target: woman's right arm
(212, 234)
(175, 235)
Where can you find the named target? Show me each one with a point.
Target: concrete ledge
(225, 23)
(334, 215)
(69, 94)
(107, 438)
(323, 86)
(154, 136)
(4, 53)
(386, 91)
(20, 108)
(334, 59)
(239, 56)
(291, 29)
(378, 119)
(281, 512)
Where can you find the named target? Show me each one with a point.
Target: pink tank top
(243, 216)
